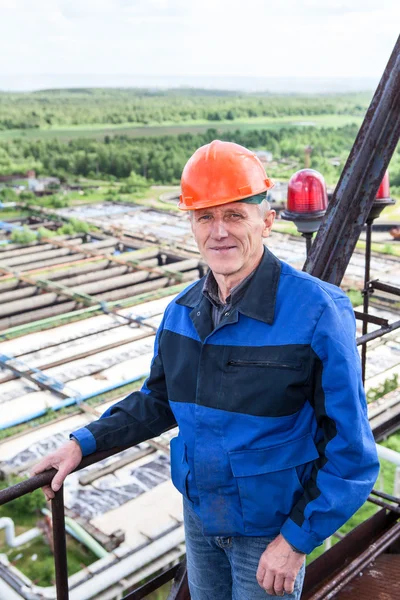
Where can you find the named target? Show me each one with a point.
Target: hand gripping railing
(179, 590)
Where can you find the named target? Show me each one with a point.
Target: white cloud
(303, 38)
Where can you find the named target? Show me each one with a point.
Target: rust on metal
(60, 546)
(379, 581)
(180, 587)
(335, 569)
(153, 585)
(360, 179)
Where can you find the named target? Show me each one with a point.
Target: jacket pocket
(265, 381)
(179, 465)
(268, 483)
(266, 364)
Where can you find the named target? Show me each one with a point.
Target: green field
(98, 131)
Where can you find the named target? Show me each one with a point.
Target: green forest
(43, 131)
(54, 108)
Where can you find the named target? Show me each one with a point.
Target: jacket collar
(259, 299)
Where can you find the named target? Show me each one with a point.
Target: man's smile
(222, 248)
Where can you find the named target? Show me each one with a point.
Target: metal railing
(179, 591)
(177, 573)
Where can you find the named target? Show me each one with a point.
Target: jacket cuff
(296, 536)
(85, 439)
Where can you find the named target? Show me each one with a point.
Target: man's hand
(65, 460)
(278, 567)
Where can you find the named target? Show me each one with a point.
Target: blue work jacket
(273, 427)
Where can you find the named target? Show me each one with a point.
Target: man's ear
(268, 222)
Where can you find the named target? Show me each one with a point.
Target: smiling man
(257, 365)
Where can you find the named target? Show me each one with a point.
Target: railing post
(60, 545)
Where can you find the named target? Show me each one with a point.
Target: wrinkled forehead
(242, 207)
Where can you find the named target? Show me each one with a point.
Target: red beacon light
(382, 198)
(307, 200)
(384, 188)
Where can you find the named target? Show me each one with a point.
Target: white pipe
(388, 454)
(396, 486)
(80, 534)
(7, 592)
(109, 576)
(14, 541)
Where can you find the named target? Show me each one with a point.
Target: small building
(265, 156)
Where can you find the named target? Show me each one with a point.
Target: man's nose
(219, 229)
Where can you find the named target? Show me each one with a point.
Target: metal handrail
(179, 590)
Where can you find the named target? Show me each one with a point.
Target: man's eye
(204, 218)
(236, 216)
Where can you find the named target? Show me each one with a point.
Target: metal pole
(308, 237)
(366, 293)
(60, 546)
(360, 179)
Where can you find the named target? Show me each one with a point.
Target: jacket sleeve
(347, 467)
(140, 416)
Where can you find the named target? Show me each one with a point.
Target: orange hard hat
(219, 173)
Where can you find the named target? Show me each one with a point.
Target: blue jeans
(224, 568)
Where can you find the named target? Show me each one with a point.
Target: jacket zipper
(263, 363)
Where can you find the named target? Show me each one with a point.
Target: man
(257, 364)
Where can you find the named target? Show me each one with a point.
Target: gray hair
(264, 207)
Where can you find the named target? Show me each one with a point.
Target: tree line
(54, 108)
(161, 159)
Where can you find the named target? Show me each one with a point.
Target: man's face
(230, 236)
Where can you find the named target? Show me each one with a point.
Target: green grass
(355, 297)
(26, 512)
(11, 214)
(41, 571)
(288, 227)
(391, 249)
(390, 213)
(99, 130)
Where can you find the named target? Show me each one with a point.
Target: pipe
(121, 294)
(90, 275)
(146, 286)
(53, 320)
(77, 531)
(45, 264)
(388, 454)
(7, 592)
(116, 572)
(33, 256)
(69, 402)
(33, 248)
(102, 263)
(13, 540)
(95, 287)
(104, 573)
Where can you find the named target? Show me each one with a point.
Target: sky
(111, 41)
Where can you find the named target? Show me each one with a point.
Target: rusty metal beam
(153, 585)
(180, 587)
(335, 568)
(360, 179)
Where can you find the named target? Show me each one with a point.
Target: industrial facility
(78, 318)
